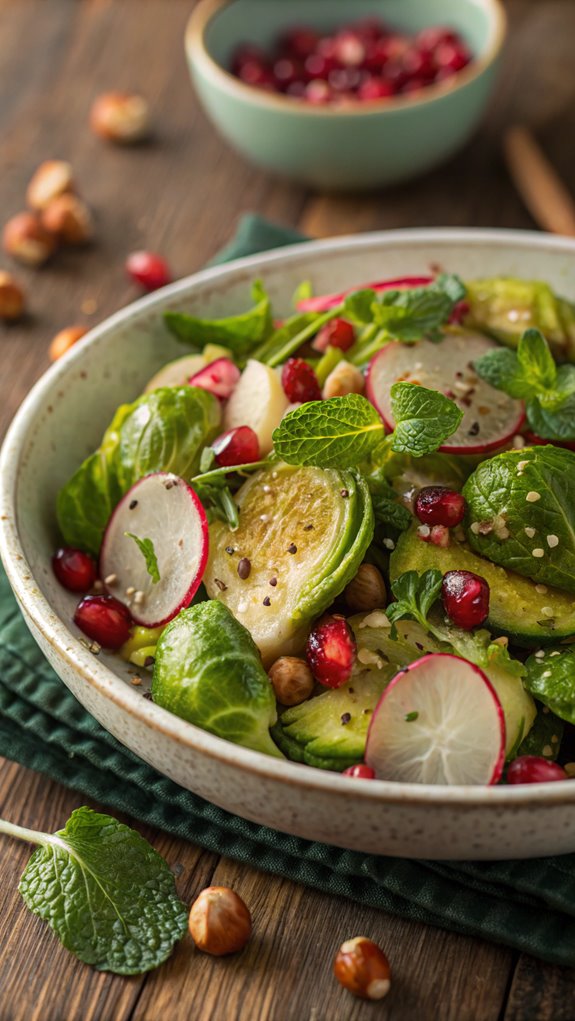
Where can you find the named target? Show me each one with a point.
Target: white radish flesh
(439, 721)
(258, 401)
(164, 509)
(490, 418)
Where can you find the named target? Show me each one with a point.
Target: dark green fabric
(529, 905)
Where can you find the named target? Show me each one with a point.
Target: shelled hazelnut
(366, 591)
(51, 179)
(64, 340)
(26, 239)
(121, 117)
(12, 300)
(292, 680)
(363, 969)
(344, 379)
(220, 922)
(68, 218)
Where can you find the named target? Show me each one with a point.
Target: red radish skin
(396, 362)
(236, 446)
(325, 302)
(118, 551)
(538, 441)
(360, 772)
(74, 569)
(499, 719)
(534, 769)
(219, 377)
(104, 619)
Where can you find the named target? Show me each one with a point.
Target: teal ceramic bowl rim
(217, 75)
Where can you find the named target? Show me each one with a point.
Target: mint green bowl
(361, 145)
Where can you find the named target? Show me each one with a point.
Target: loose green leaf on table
(424, 419)
(240, 333)
(107, 894)
(337, 433)
(146, 548)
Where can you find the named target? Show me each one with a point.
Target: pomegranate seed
(438, 505)
(349, 49)
(360, 771)
(451, 56)
(219, 377)
(104, 619)
(465, 598)
(533, 769)
(318, 65)
(345, 79)
(318, 92)
(337, 333)
(297, 90)
(148, 270)
(286, 72)
(245, 54)
(430, 38)
(395, 73)
(74, 569)
(299, 42)
(331, 652)
(300, 381)
(418, 63)
(236, 446)
(413, 85)
(369, 28)
(375, 88)
(440, 536)
(459, 313)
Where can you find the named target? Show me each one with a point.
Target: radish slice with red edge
(219, 377)
(439, 721)
(165, 509)
(324, 302)
(490, 417)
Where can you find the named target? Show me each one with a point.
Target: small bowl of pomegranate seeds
(301, 90)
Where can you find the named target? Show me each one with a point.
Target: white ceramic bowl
(62, 420)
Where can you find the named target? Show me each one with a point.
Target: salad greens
(107, 894)
(505, 306)
(551, 680)
(165, 430)
(146, 548)
(424, 419)
(239, 333)
(208, 671)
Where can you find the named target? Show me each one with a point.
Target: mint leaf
(387, 508)
(423, 419)
(240, 333)
(107, 894)
(337, 433)
(536, 360)
(551, 679)
(146, 548)
(410, 314)
(501, 369)
(415, 595)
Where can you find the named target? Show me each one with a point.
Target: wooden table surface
(182, 195)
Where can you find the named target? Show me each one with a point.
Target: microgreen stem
(219, 473)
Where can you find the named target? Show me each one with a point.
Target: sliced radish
(176, 373)
(490, 418)
(538, 441)
(219, 377)
(324, 302)
(162, 508)
(258, 401)
(439, 721)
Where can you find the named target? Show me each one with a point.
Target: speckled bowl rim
(103, 680)
(217, 75)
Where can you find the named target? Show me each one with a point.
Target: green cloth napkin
(529, 905)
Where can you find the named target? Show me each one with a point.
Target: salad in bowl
(346, 537)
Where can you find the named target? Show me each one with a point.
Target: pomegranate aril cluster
(363, 61)
(331, 651)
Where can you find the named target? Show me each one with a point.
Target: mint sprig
(146, 548)
(531, 374)
(424, 419)
(107, 894)
(337, 433)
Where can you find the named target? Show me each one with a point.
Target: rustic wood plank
(31, 954)
(285, 972)
(541, 992)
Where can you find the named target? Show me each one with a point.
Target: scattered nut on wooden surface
(51, 179)
(68, 218)
(344, 379)
(64, 340)
(292, 680)
(367, 590)
(363, 969)
(220, 922)
(122, 117)
(12, 300)
(26, 239)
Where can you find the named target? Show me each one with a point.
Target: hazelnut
(11, 297)
(120, 117)
(366, 591)
(69, 219)
(64, 340)
(220, 923)
(363, 969)
(27, 240)
(52, 178)
(292, 680)
(344, 379)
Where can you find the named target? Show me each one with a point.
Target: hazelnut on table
(220, 922)
(51, 179)
(68, 218)
(64, 340)
(363, 969)
(26, 239)
(12, 300)
(122, 117)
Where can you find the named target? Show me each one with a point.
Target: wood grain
(182, 195)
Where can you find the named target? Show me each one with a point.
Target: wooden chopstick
(542, 190)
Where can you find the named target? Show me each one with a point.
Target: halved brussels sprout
(303, 533)
(505, 307)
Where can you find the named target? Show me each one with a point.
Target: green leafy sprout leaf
(415, 594)
(240, 333)
(146, 548)
(336, 433)
(424, 419)
(107, 894)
